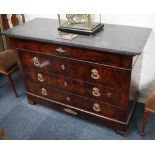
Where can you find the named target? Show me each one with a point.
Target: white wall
(147, 81)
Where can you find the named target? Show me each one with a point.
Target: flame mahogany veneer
(113, 84)
(87, 81)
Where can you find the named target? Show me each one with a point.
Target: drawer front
(73, 69)
(73, 100)
(100, 57)
(96, 92)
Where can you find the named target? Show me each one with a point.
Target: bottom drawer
(116, 124)
(77, 101)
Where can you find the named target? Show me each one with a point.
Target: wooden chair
(149, 108)
(8, 57)
(8, 64)
(3, 134)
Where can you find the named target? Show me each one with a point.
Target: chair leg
(2, 134)
(146, 114)
(12, 84)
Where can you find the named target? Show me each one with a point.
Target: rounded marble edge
(129, 53)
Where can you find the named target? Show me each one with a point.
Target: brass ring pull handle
(44, 92)
(40, 77)
(95, 74)
(63, 67)
(36, 61)
(70, 111)
(96, 92)
(96, 107)
(60, 50)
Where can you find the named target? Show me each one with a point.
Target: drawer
(96, 92)
(86, 104)
(101, 57)
(73, 69)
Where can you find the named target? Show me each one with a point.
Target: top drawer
(100, 57)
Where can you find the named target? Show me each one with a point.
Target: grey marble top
(128, 40)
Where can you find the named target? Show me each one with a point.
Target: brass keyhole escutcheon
(96, 107)
(60, 50)
(36, 61)
(40, 77)
(95, 74)
(96, 92)
(68, 98)
(44, 92)
(63, 67)
(65, 84)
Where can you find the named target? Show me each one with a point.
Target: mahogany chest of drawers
(96, 77)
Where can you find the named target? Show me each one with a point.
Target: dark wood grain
(74, 69)
(113, 81)
(67, 74)
(73, 100)
(116, 80)
(109, 96)
(109, 59)
(102, 120)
